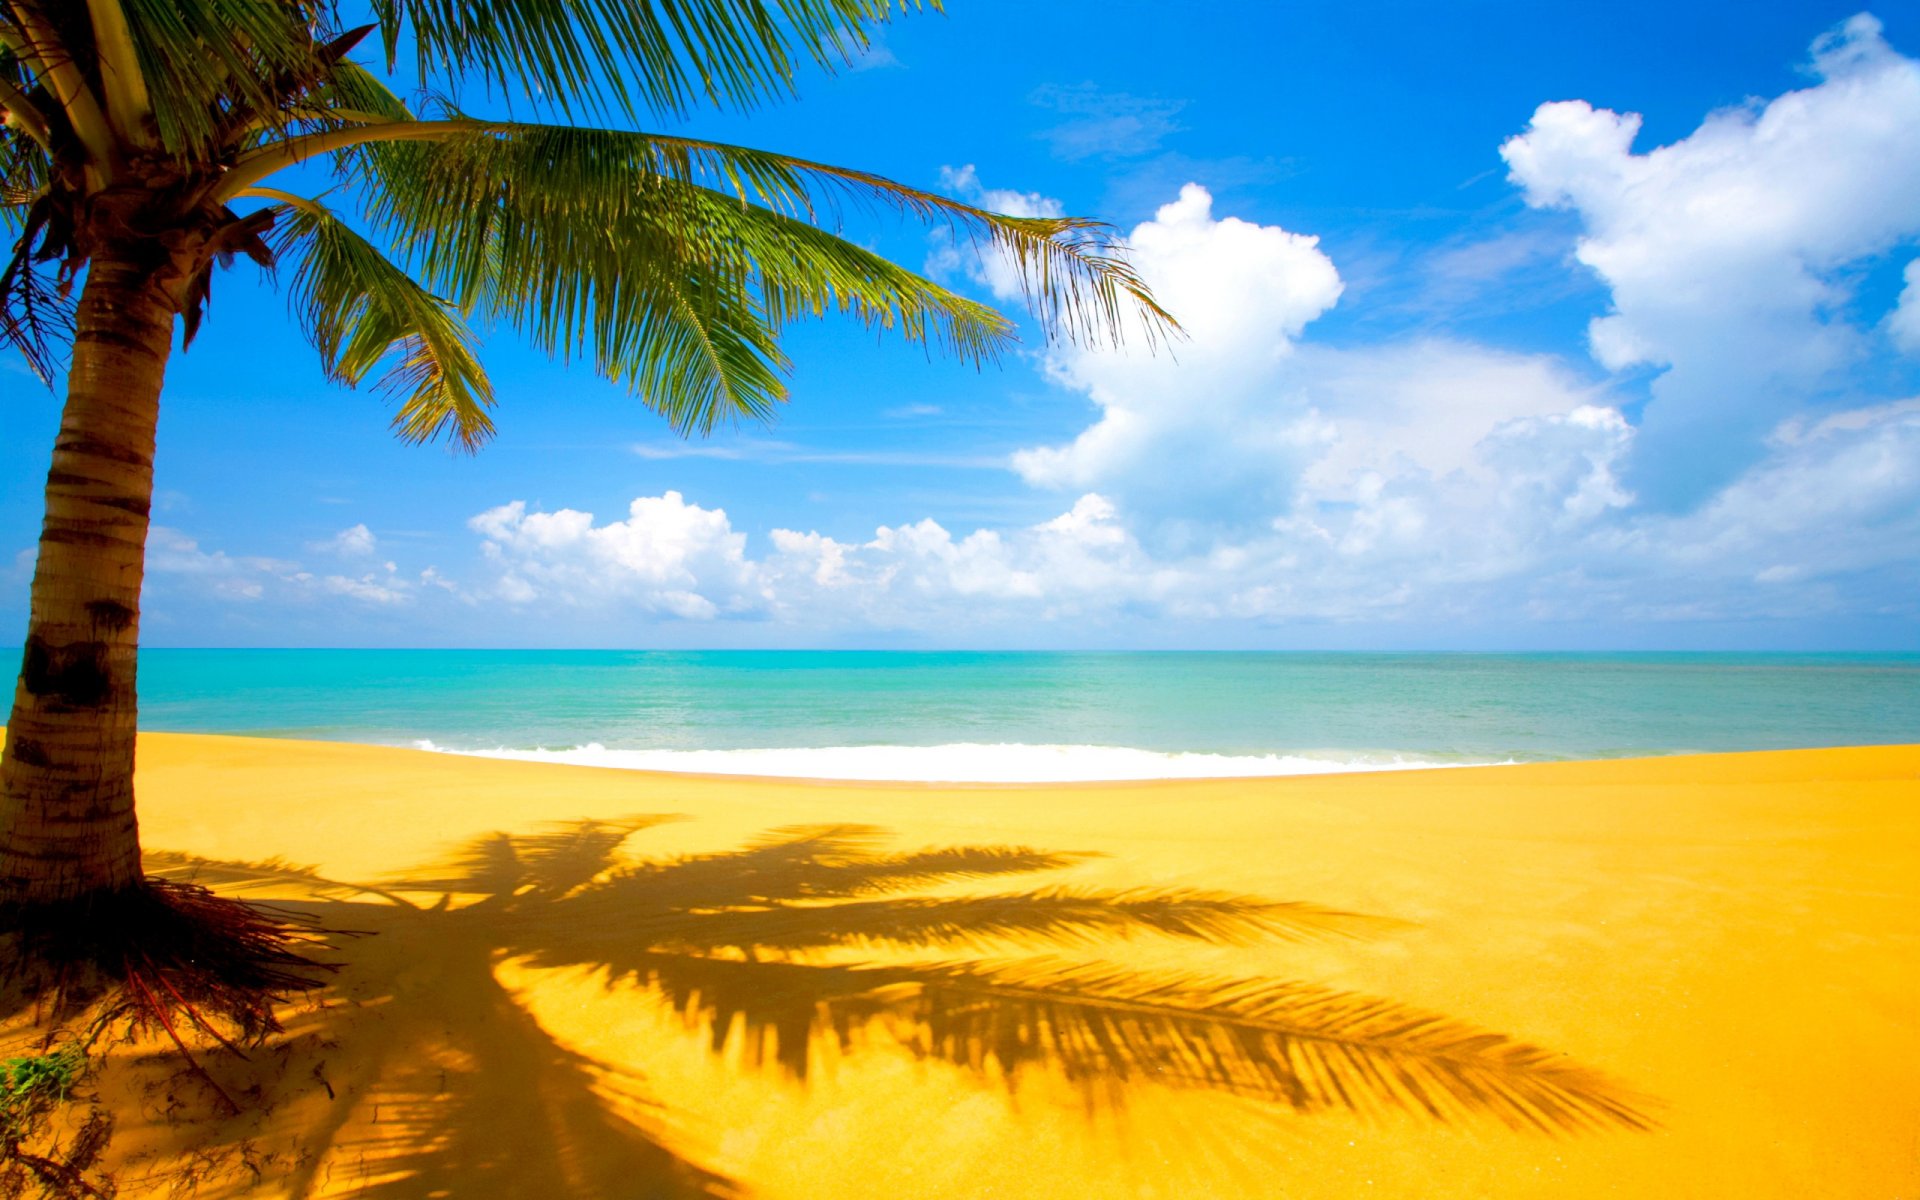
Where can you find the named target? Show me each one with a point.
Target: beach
(1727, 944)
(1356, 632)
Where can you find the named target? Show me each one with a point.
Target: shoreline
(1014, 764)
(1733, 938)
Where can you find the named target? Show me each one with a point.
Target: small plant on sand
(33, 1088)
(31, 1084)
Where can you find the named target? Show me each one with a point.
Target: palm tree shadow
(771, 948)
(415, 1073)
(452, 1088)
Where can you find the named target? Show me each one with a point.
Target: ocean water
(1036, 716)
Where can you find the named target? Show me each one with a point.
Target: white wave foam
(963, 762)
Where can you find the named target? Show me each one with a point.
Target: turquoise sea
(1037, 715)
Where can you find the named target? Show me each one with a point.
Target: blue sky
(1513, 326)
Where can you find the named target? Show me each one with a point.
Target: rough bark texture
(67, 828)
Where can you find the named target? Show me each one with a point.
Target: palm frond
(361, 310)
(1074, 270)
(675, 263)
(244, 876)
(211, 64)
(547, 865)
(747, 213)
(805, 863)
(55, 46)
(804, 271)
(697, 352)
(36, 319)
(666, 55)
(36, 310)
(1052, 916)
(1106, 1029)
(1311, 1048)
(23, 114)
(701, 934)
(351, 87)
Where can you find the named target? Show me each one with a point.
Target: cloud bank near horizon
(1721, 453)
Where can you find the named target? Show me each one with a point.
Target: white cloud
(1903, 323)
(922, 576)
(964, 182)
(1245, 422)
(1834, 495)
(172, 553)
(1724, 250)
(1107, 124)
(21, 569)
(667, 556)
(180, 572)
(1208, 423)
(907, 412)
(676, 559)
(1425, 405)
(374, 587)
(354, 542)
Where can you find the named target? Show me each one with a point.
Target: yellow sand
(1736, 937)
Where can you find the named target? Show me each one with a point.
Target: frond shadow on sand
(419, 1074)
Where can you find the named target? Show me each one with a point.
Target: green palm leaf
(664, 54)
(676, 263)
(212, 65)
(361, 310)
(721, 206)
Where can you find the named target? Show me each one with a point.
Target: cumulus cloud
(1243, 292)
(1832, 496)
(1724, 251)
(675, 559)
(1247, 422)
(354, 542)
(1082, 561)
(667, 556)
(1903, 323)
(1536, 527)
(964, 182)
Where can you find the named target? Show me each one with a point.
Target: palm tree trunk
(67, 827)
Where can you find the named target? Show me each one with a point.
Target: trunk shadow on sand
(415, 1072)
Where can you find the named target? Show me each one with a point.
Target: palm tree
(148, 141)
